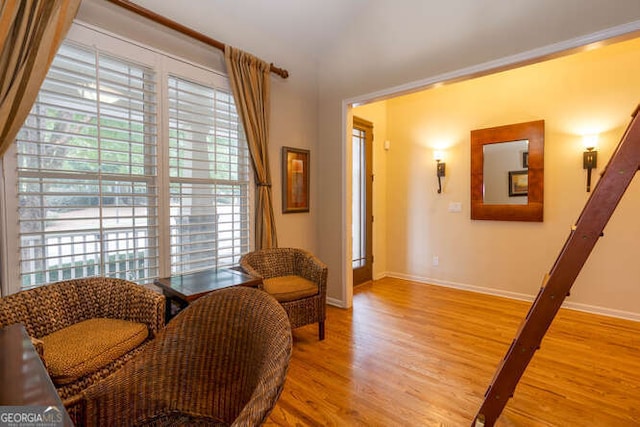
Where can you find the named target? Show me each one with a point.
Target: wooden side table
(24, 381)
(182, 289)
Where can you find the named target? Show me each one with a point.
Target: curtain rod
(184, 30)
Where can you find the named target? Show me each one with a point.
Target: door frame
(365, 273)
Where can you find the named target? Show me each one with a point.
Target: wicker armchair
(221, 361)
(52, 308)
(296, 278)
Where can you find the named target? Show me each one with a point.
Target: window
(131, 164)
(209, 176)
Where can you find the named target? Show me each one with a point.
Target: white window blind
(87, 168)
(132, 164)
(209, 178)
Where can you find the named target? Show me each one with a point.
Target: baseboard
(604, 311)
(380, 275)
(336, 302)
(463, 286)
(342, 304)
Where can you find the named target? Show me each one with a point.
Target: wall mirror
(507, 172)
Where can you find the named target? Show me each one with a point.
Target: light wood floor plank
(410, 354)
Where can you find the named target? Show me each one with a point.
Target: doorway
(362, 206)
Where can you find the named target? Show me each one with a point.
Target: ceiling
(316, 28)
(303, 25)
(360, 46)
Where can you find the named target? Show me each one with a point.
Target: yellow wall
(590, 92)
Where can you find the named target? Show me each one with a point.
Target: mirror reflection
(505, 172)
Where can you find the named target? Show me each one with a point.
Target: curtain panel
(250, 82)
(30, 33)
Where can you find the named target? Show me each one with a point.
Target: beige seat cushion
(85, 347)
(289, 288)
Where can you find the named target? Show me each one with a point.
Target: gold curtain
(30, 33)
(250, 81)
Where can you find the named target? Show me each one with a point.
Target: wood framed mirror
(507, 172)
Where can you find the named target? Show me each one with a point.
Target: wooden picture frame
(295, 180)
(533, 210)
(518, 183)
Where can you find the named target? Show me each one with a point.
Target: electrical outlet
(435, 261)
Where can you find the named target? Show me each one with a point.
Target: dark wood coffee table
(182, 289)
(24, 381)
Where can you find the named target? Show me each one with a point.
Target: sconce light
(589, 157)
(440, 168)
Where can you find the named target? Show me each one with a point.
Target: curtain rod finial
(279, 71)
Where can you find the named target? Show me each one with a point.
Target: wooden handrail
(169, 23)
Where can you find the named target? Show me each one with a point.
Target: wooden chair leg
(321, 330)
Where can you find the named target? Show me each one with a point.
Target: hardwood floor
(410, 354)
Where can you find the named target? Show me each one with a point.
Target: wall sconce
(440, 168)
(589, 157)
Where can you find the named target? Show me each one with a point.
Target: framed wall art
(518, 183)
(295, 180)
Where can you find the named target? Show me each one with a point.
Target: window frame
(164, 65)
